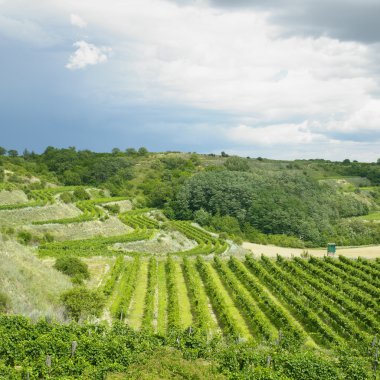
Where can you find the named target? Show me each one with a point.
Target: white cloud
(236, 63)
(77, 21)
(365, 119)
(281, 134)
(230, 61)
(27, 31)
(87, 54)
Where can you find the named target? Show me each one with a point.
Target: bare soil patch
(369, 252)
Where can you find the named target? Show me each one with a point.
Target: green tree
(71, 178)
(143, 151)
(131, 152)
(202, 217)
(12, 153)
(3, 151)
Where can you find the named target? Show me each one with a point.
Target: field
(251, 299)
(164, 277)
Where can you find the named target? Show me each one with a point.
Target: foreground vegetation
(87, 351)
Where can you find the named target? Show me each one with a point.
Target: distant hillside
(293, 203)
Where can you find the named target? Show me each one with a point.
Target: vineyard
(260, 300)
(326, 304)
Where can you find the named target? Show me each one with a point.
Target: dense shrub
(81, 194)
(81, 303)
(67, 197)
(73, 267)
(112, 208)
(24, 237)
(238, 164)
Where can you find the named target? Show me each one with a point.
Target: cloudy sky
(272, 78)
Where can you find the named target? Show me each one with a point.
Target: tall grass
(32, 286)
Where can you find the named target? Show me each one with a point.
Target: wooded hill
(302, 203)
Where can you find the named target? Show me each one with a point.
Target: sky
(281, 79)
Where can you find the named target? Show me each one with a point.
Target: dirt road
(369, 252)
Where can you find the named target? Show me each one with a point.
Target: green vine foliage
(96, 351)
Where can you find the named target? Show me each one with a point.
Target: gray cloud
(356, 20)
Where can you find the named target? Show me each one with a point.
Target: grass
(31, 214)
(184, 303)
(138, 301)
(12, 197)
(85, 230)
(162, 299)
(201, 306)
(230, 304)
(372, 216)
(98, 267)
(32, 286)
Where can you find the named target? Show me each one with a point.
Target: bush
(202, 217)
(237, 164)
(48, 238)
(24, 237)
(112, 208)
(72, 267)
(81, 303)
(81, 194)
(66, 197)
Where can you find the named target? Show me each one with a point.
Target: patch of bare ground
(369, 252)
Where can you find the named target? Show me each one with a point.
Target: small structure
(331, 249)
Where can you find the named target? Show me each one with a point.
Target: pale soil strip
(369, 252)
(155, 313)
(184, 303)
(162, 299)
(98, 268)
(230, 304)
(136, 310)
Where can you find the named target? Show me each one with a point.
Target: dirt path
(369, 252)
